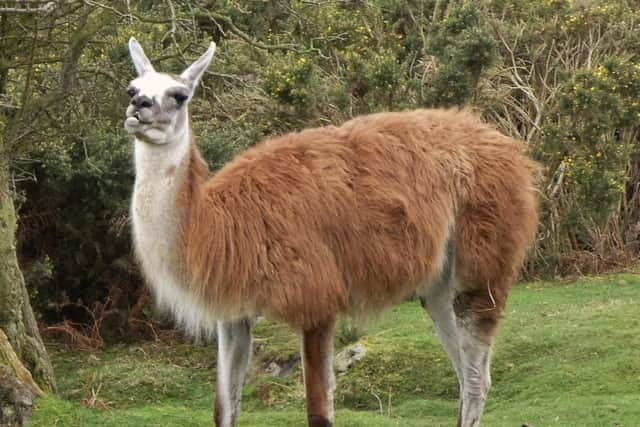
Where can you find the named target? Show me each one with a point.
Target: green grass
(567, 355)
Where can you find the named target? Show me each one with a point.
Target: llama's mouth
(133, 124)
(143, 121)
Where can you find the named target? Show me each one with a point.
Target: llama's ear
(195, 71)
(140, 60)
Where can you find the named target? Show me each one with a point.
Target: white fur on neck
(160, 171)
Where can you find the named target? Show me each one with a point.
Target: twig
(244, 36)
(378, 399)
(493, 302)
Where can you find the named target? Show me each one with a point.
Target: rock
(282, 368)
(274, 369)
(347, 357)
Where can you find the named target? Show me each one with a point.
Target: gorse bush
(464, 48)
(591, 132)
(562, 75)
(591, 139)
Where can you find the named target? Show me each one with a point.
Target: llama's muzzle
(137, 118)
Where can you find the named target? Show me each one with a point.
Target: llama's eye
(132, 91)
(180, 97)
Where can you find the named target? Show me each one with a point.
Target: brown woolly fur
(351, 219)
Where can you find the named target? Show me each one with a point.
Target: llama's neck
(160, 163)
(167, 179)
(161, 173)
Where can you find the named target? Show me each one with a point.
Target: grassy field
(567, 355)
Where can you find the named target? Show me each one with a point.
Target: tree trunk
(22, 353)
(17, 388)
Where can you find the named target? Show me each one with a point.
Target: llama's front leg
(234, 353)
(317, 368)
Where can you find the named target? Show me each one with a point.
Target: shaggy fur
(351, 219)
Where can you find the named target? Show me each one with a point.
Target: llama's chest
(155, 225)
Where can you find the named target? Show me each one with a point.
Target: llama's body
(333, 220)
(329, 221)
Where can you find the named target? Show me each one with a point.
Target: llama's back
(354, 218)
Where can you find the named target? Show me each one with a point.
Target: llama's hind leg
(234, 354)
(317, 368)
(476, 317)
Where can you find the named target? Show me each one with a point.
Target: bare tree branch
(24, 6)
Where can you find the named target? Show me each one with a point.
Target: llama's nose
(141, 101)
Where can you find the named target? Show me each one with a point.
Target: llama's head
(157, 113)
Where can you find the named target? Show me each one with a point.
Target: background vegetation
(563, 75)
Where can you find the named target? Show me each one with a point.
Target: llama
(331, 221)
